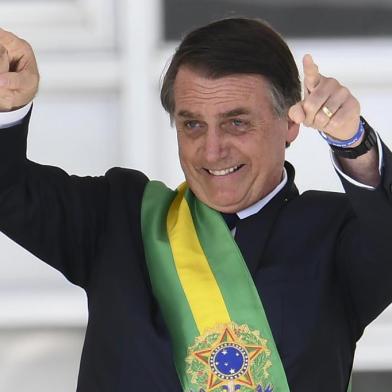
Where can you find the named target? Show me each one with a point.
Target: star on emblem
(238, 358)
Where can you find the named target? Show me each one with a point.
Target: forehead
(193, 89)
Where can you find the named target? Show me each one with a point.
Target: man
(282, 306)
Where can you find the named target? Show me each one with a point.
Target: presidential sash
(219, 331)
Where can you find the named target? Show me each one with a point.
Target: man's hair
(237, 46)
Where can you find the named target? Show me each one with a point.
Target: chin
(224, 201)
(224, 204)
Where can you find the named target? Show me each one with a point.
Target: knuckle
(333, 83)
(344, 91)
(308, 106)
(25, 43)
(356, 103)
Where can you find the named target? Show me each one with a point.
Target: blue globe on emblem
(229, 361)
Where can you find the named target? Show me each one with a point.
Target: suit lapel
(252, 233)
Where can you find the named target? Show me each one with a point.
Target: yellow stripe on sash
(198, 281)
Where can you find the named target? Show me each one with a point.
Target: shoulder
(121, 175)
(320, 207)
(319, 197)
(126, 184)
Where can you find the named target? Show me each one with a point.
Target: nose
(214, 145)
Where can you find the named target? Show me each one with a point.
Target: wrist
(367, 141)
(354, 141)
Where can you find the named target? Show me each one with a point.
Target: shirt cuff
(10, 119)
(338, 168)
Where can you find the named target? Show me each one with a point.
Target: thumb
(296, 113)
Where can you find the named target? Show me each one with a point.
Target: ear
(292, 131)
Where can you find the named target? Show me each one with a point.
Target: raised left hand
(327, 105)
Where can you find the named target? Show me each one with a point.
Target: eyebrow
(230, 113)
(187, 114)
(235, 112)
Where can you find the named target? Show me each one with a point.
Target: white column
(140, 33)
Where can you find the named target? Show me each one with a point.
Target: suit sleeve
(365, 250)
(57, 217)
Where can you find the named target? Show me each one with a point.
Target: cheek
(265, 152)
(186, 155)
(182, 148)
(187, 149)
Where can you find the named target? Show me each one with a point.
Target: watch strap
(369, 140)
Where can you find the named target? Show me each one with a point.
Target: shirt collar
(255, 208)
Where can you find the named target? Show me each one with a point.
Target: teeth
(223, 172)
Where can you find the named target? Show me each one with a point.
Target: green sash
(219, 331)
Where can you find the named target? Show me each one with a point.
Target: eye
(237, 122)
(192, 124)
(237, 125)
(193, 128)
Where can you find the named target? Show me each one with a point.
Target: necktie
(242, 237)
(231, 220)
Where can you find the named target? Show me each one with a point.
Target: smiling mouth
(224, 172)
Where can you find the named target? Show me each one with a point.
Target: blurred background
(98, 106)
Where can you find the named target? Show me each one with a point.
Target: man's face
(231, 142)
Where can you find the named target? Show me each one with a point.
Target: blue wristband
(344, 143)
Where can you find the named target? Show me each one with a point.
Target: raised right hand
(19, 77)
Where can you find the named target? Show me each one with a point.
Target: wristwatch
(369, 140)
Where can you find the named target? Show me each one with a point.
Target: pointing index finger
(312, 76)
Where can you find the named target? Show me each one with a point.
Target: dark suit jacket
(321, 262)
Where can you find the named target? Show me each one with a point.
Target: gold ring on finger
(327, 111)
